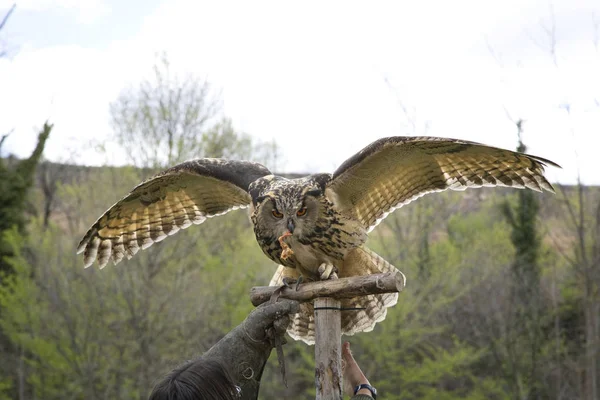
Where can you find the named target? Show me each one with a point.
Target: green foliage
(111, 333)
(418, 352)
(524, 345)
(88, 334)
(15, 183)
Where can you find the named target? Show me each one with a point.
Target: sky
(323, 79)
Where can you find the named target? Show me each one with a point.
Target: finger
(347, 353)
(281, 324)
(267, 313)
(282, 307)
(293, 305)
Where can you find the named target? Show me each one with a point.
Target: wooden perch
(328, 350)
(335, 288)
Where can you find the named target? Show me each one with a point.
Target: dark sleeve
(245, 350)
(244, 359)
(362, 397)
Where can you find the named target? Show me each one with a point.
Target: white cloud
(313, 76)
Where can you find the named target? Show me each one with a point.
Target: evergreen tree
(524, 345)
(15, 182)
(16, 178)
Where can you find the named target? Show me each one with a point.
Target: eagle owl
(314, 226)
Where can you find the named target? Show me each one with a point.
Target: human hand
(352, 374)
(267, 315)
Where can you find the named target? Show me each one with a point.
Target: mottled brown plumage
(327, 215)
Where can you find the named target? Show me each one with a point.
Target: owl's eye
(301, 212)
(277, 214)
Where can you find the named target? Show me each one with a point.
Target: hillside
(460, 329)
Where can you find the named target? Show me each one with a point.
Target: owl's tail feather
(302, 324)
(359, 261)
(363, 261)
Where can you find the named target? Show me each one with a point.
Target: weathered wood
(328, 349)
(335, 288)
(326, 295)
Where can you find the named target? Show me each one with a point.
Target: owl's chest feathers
(328, 242)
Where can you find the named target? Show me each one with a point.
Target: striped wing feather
(172, 200)
(392, 172)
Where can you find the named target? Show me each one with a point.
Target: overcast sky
(322, 78)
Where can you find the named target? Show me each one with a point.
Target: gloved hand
(257, 326)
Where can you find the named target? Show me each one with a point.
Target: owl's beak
(291, 225)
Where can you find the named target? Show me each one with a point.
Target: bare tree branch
(162, 121)
(3, 138)
(3, 23)
(497, 56)
(550, 33)
(410, 115)
(10, 11)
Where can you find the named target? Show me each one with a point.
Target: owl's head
(282, 204)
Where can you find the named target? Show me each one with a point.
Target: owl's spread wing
(392, 172)
(174, 199)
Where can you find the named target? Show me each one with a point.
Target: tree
(15, 183)
(582, 219)
(575, 291)
(109, 334)
(168, 292)
(428, 353)
(524, 337)
(168, 119)
(162, 121)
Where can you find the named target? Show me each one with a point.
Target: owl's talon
(287, 282)
(327, 271)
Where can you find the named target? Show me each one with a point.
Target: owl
(313, 227)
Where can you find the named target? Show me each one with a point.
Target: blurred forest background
(502, 301)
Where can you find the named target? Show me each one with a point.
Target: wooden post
(328, 349)
(328, 322)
